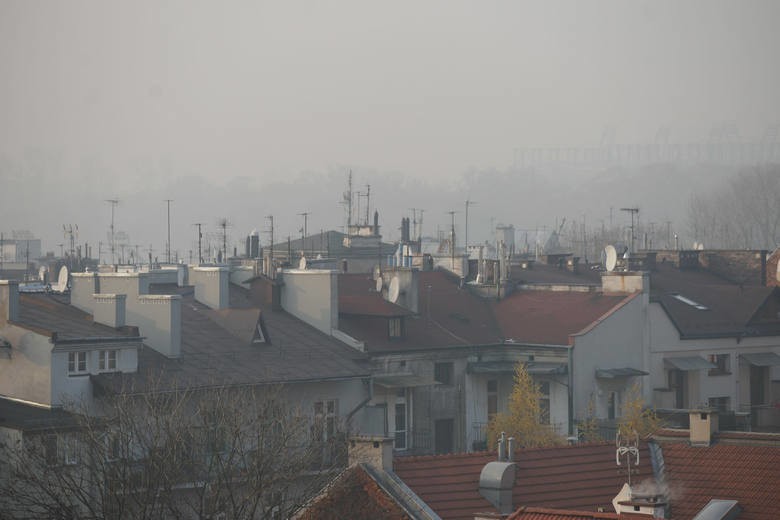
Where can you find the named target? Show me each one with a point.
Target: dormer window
(395, 328)
(77, 363)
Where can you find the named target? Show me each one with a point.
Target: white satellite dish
(778, 272)
(394, 290)
(42, 272)
(302, 263)
(379, 284)
(610, 254)
(62, 280)
(377, 272)
(695, 245)
(700, 246)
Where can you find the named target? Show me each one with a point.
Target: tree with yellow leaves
(525, 419)
(636, 417)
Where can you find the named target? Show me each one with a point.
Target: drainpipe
(370, 384)
(570, 390)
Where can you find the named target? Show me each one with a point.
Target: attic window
(692, 303)
(258, 337)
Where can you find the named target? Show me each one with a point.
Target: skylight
(690, 302)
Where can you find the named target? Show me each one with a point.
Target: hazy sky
(153, 90)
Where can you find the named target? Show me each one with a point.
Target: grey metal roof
(689, 363)
(26, 417)
(614, 373)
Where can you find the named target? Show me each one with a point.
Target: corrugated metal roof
(614, 373)
(689, 363)
(762, 359)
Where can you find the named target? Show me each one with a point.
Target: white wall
(312, 296)
(25, 370)
(616, 342)
(665, 342)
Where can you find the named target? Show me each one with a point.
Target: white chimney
(110, 309)
(703, 426)
(628, 501)
(9, 300)
(158, 318)
(211, 286)
(83, 286)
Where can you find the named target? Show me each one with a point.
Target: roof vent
(498, 478)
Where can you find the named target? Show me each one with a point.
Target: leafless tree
(238, 453)
(741, 214)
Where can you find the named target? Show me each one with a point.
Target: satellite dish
(695, 245)
(62, 280)
(700, 246)
(379, 284)
(394, 290)
(610, 258)
(778, 272)
(42, 272)
(377, 272)
(302, 263)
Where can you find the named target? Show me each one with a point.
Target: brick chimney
(376, 451)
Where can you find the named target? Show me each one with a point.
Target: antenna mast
(271, 247)
(452, 239)
(468, 203)
(168, 245)
(113, 203)
(200, 242)
(633, 211)
(305, 216)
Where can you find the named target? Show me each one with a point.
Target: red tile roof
(354, 495)
(541, 513)
(748, 474)
(582, 477)
(550, 317)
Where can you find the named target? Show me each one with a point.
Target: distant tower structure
(506, 234)
(253, 244)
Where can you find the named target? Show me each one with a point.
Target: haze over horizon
(244, 109)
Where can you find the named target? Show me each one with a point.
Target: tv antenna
(346, 200)
(452, 238)
(168, 244)
(224, 223)
(627, 451)
(633, 211)
(466, 237)
(271, 242)
(304, 229)
(113, 203)
(200, 241)
(71, 232)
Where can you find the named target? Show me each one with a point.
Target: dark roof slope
(748, 474)
(724, 309)
(358, 296)
(449, 316)
(581, 477)
(50, 314)
(216, 349)
(25, 417)
(550, 317)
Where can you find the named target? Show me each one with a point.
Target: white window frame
(401, 400)
(77, 363)
(107, 360)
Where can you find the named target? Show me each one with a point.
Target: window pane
(400, 417)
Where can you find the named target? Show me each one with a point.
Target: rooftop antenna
(223, 223)
(304, 229)
(452, 239)
(633, 211)
(627, 450)
(113, 203)
(468, 203)
(368, 201)
(200, 242)
(271, 244)
(347, 201)
(168, 244)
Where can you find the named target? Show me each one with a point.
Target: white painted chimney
(211, 286)
(9, 300)
(110, 309)
(628, 501)
(703, 426)
(83, 286)
(158, 318)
